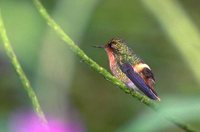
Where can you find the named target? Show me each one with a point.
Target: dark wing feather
(137, 80)
(148, 73)
(150, 80)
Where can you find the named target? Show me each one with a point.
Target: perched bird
(130, 69)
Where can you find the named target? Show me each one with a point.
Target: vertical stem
(25, 82)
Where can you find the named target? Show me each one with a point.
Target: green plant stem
(101, 70)
(86, 59)
(13, 58)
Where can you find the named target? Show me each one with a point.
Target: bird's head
(117, 46)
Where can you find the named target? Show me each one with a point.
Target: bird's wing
(149, 78)
(138, 81)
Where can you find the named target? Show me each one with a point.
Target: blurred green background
(69, 90)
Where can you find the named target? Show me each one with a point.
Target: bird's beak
(98, 46)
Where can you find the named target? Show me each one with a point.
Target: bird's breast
(116, 71)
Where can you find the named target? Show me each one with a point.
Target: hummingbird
(126, 66)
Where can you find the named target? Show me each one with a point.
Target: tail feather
(138, 81)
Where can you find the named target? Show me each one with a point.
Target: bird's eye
(110, 45)
(113, 45)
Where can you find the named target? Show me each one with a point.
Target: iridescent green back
(123, 53)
